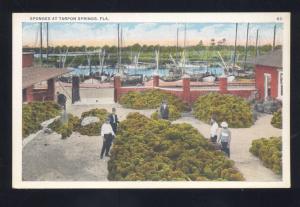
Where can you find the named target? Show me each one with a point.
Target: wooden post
(51, 89)
(75, 89)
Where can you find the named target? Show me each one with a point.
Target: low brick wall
(42, 95)
(124, 90)
(188, 93)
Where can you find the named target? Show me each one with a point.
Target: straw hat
(224, 124)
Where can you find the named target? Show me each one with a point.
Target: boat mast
(41, 42)
(246, 49)
(184, 55)
(118, 50)
(99, 57)
(177, 46)
(121, 45)
(256, 44)
(274, 38)
(47, 38)
(234, 55)
(157, 60)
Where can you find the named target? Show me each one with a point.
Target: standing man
(225, 138)
(213, 130)
(113, 120)
(107, 134)
(61, 100)
(164, 110)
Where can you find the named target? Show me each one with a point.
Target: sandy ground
(250, 166)
(49, 158)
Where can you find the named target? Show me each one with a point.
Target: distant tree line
(220, 45)
(147, 52)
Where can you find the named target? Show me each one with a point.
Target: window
(280, 84)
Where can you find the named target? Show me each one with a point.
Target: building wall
(31, 94)
(259, 80)
(40, 95)
(27, 60)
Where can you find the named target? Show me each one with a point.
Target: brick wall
(33, 94)
(195, 94)
(41, 95)
(27, 60)
(186, 93)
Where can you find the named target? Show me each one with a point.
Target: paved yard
(49, 158)
(249, 165)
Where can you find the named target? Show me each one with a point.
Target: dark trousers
(213, 139)
(225, 148)
(114, 127)
(106, 145)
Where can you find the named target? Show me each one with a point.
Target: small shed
(38, 84)
(268, 75)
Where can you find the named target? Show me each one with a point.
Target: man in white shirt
(108, 135)
(214, 131)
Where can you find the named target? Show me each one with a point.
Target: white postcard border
(261, 17)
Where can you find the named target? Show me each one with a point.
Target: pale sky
(99, 34)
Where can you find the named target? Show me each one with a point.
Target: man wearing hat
(108, 135)
(225, 138)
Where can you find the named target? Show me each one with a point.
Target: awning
(31, 76)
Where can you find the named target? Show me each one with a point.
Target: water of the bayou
(162, 72)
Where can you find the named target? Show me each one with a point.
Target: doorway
(267, 86)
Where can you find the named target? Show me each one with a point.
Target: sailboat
(208, 77)
(227, 69)
(136, 65)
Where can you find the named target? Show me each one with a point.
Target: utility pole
(274, 38)
(256, 44)
(246, 49)
(234, 56)
(41, 43)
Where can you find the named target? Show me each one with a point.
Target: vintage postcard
(151, 100)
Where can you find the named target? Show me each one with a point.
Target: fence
(189, 91)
